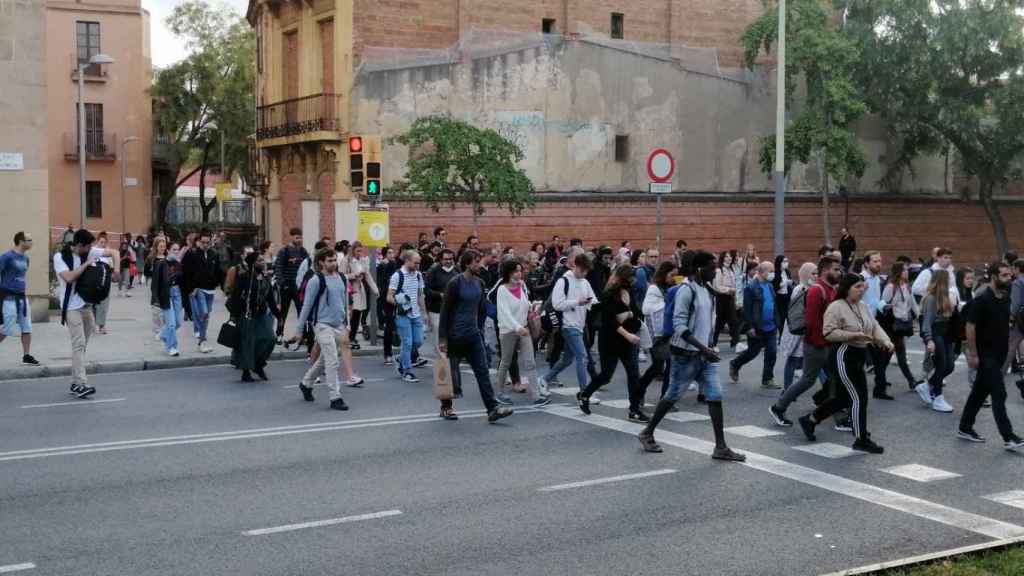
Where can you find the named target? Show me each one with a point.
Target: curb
(930, 558)
(119, 366)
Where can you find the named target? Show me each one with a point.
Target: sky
(165, 47)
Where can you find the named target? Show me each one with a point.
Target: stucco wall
(23, 50)
(565, 102)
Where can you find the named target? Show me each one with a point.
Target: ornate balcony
(98, 146)
(309, 118)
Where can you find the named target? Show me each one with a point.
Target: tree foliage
(948, 72)
(208, 95)
(452, 162)
(822, 60)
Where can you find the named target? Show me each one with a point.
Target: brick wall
(894, 228)
(437, 23)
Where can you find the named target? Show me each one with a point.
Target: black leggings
(726, 314)
(354, 324)
(657, 369)
(611, 354)
(846, 366)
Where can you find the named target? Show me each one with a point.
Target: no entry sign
(661, 166)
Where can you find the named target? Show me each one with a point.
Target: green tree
(948, 73)
(207, 98)
(452, 162)
(823, 61)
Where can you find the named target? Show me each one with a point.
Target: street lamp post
(124, 176)
(780, 138)
(96, 59)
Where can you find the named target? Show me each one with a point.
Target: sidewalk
(129, 346)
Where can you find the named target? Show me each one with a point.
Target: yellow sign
(373, 226)
(223, 191)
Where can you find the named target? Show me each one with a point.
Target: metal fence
(188, 210)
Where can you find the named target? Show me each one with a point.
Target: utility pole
(780, 138)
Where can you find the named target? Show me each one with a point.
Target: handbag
(534, 324)
(229, 335)
(902, 327)
(646, 341)
(443, 387)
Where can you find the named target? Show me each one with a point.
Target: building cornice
(65, 6)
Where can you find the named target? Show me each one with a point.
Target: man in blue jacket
(759, 314)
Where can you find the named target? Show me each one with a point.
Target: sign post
(661, 166)
(374, 233)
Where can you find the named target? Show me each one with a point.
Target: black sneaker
(85, 391)
(498, 413)
(583, 402)
(28, 360)
(262, 373)
(867, 445)
(1013, 444)
(780, 417)
(843, 426)
(338, 404)
(728, 455)
(638, 416)
(881, 394)
(307, 393)
(808, 427)
(420, 363)
(970, 436)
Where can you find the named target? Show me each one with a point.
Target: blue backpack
(667, 329)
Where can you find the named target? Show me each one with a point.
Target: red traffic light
(355, 144)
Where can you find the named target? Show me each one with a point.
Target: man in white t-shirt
(405, 293)
(80, 319)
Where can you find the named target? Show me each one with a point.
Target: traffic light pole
(374, 297)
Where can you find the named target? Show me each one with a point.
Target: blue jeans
(763, 341)
(574, 350)
(694, 368)
(173, 319)
(410, 330)
(202, 303)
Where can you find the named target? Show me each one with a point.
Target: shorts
(16, 316)
(693, 368)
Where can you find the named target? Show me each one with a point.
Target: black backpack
(92, 286)
(551, 319)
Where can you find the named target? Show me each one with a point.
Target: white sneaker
(595, 400)
(542, 386)
(741, 347)
(173, 352)
(924, 392)
(692, 387)
(205, 348)
(643, 357)
(939, 404)
(156, 337)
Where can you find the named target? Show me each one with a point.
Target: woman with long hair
(513, 303)
(900, 303)
(792, 347)
(166, 293)
(618, 341)
(154, 308)
(850, 327)
(936, 331)
(361, 285)
(653, 309)
(782, 285)
(724, 287)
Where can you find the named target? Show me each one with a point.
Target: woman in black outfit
(783, 286)
(252, 303)
(654, 313)
(618, 341)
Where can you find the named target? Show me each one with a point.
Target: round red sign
(661, 166)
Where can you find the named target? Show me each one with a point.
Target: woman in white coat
(513, 303)
(361, 284)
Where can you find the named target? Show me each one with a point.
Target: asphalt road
(191, 472)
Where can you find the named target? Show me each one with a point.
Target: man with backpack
(286, 268)
(816, 348)
(83, 281)
(693, 359)
(405, 293)
(326, 308)
(571, 300)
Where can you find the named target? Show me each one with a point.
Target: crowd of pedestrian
(835, 322)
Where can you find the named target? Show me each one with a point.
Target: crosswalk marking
(615, 403)
(1013, 498)
(828, 450)
(685, 417)
(752, 431)
(608, 480)
(570, 392)
(920, 473)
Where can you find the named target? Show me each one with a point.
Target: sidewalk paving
(129, 346)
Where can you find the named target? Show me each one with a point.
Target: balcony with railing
(98, 146)
(93, 72)
(259, 172)
(309, 118)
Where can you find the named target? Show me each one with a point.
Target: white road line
(1013, 498)
(607, 480)
(887, 498)
(753, 432)
(828, 450)
(343, 384)
(623, 404)
(322, 523)
(566, 391)
(687, 417)
(234, 435)
(929, 557)
(16, 567)
(84, 402)
(920, 473)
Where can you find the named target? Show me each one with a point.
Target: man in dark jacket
(460, 335)
(847, 248)
(201, 275)
(759, 314)
(435, 280)
(286, 268)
